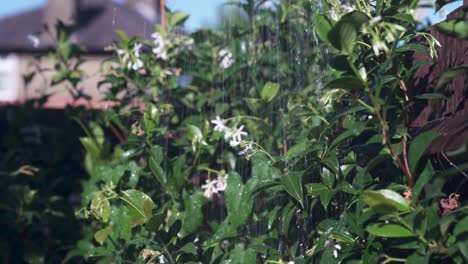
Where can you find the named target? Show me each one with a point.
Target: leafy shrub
(284, 140)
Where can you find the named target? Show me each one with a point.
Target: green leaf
(344, 34)
(424, 177)
(447, 76)
(389, 230)
(418, 146)
(431, 96)
(100, 208)
(156, 221)
(314, 189)
(269, 91)
(102, 234)
(241, 256)
(461, 227)
(411, 47)
(325, 197)
(237, 200)
(292, 183)
(158, 172)
(347, 83)
(323, 27)
(385, 201)
(91, 146)
(140, 206)
(328, 177)
(456, 28)
(188, 249)
(177, 19)
(122, 36)
(193, 216)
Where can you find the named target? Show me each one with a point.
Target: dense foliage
(281, 139)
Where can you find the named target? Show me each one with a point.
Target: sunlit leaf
(389, 230)
(269, 91)
(102, 234)
(385, 201)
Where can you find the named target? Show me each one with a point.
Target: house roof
(96, 24)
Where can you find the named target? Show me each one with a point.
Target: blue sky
(202, 12)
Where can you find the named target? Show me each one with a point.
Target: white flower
(220, 126)
(131, 59)
(221, 183)
(375, 20)
(159, 48)
(234, 143)
(226, 58)
(238, 133)
(136, 49)
(210, 188)
(248, 149)
(214, 186)
(336, 248)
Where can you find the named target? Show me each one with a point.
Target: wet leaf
(100, 207)
(193, 216)
(292, 183)
(237, 199)
(389, 230)
(385, 201)
(139, 204)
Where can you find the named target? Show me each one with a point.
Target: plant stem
(386, 138)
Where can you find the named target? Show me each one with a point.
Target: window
(8, 78)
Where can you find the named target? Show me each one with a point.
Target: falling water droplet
(113, 17)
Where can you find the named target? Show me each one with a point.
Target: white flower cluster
(162, 44)
(131, 58)
(234, 136)
(214, 186)
(226, 58)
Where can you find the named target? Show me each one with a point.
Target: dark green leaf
(292, 183)
(411, 47)
(346, 83)
(314, 189)
(447, 76)
(418, 146)
(431, 96)
(455, 28)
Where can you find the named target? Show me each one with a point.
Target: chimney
(63, 10)
(149, 9)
